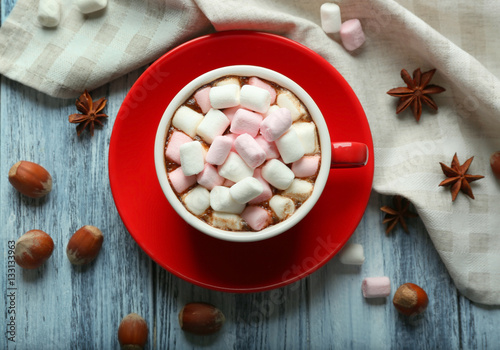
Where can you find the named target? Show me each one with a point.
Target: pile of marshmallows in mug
(264, 128)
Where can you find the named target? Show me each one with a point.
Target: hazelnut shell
(201, 318)
(33, 249)
(410, 299)
(84, 246)
(30, 179)
(495, 164)
(133, 332)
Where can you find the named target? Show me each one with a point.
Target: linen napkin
(457, 37)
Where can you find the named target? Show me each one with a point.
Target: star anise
(90, 113)
(397, 214)
(416, 92)
(458, 178)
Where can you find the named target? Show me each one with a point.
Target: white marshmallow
(290, 146)
(283, 207)
(49, 13)
(192, 158)
(267, 192)
(299, 190)
(227, 81)
(330, 18)
(197, 201)
(286, 99)
(89, 6)
(225, 221)
(255, 98)
(187, 120)
(352, 254)
(271, 110)
(221, 200)
(277, 174)
(213, 124)
(224, 96)
(246, 190)
(308, 136)
(235, 168)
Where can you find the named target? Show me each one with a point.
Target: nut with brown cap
(410, 299)
(33, 249)
(133, 332)
(84, 245)
(201, 318)
(30, 179)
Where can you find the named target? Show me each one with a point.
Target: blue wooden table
(59, 306)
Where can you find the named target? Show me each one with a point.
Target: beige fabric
(459, 38)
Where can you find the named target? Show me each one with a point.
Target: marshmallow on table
(226, 221)
(203, 99)
(89, 6)
(229, 112)
(249, 150)
(255, 98)
(235, 168)
(376, 287)
(286, 99)
(276, 124)
(192, 158)
(290, 146)
(256, 217)
(219, 150)
(179, 181)
(262, 84)
(330, 18)
(245, 190)
(277, 174)
(269, 147)
(352, 254)
(283, 207)
(187, 120)
(49, 13)
(209, 177)
(306, 166)
(246, 122)
(197, 201)
(224, 96)
(307, 136)
(351, 34)
(213, 124)
(267, 193)
(222, 201)
(299, 190)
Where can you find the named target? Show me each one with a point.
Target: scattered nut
(410, 299)
(30, 179)
(133, 332)
(201, 318)
(495, 164)
(84, 245)
(33, 249)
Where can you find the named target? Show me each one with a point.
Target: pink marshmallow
(228, 183)
(177, 139)
(179, 181)
(351, 34)
(249, 150)
(267, 193)
(202, 97)
(246, 122)
(229, 112)
(268, 147)
(263, 85)
(306, 166)
(276, 124)
(219, 150)
(209, 177)
(376, 287)
(256, 217)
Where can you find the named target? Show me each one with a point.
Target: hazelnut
(133, 332)
(30, 179)
(410, 299)
(495, 164)
(33, 249)
(84, 245)
(201, 318)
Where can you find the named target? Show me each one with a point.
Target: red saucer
(192, 255)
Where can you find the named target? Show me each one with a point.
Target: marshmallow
(245, 121)
(306, 166)
(290, 146)
(268, 147)
(197, 201)
(246, 190)
(283, 207)
(227, 81)
(225, 221)
(203, 99)
(307, 136)
(255, 98)
(351, 34)
(192, 158)
(177, 139)
(263, 85)
(49, 13)
(179, 181)
(256, 217)
(277, 174)
(89, 6)
(271, 109)
(352, 254)
(267, 193)
(219, 150)
(187, 120)
(229, 112)
(209, 177)
(330, 18)
(221, 200)
(214, 124)
(235, 168)
(376, 287)
(228, 183)
(276, 124)
(249, 150)
(224, 96)
(288, 100)
(299, 190)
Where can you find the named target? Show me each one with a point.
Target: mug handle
(349, 155)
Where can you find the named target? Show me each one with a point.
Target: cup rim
(323, 135)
